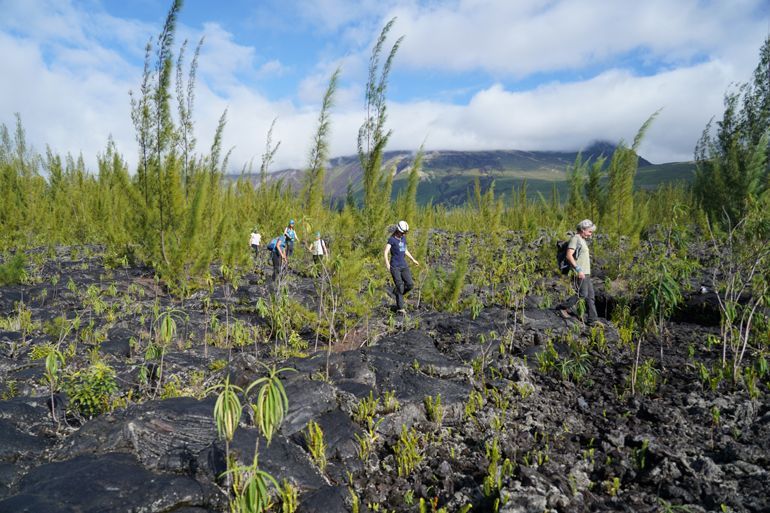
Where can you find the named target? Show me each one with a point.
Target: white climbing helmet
(403, 226)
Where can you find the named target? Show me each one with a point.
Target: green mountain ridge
(448, 176)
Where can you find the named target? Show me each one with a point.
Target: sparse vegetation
(128, 288)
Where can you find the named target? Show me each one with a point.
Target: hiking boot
(564, 314)
(401, 311)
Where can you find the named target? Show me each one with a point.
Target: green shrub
(12, 271)
(91, 389)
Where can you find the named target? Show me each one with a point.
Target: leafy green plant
(661, 294)
(645, 379)
(741, 267)
(289, 497)
(91, 389)
(366, 408)
(271, 402)
(496, 471)
(548, 358)
(355, 501)
(612, 486)
(433, 409)
(314, 439)
(12, 271)
(250, 488)
(390, 403)
(576, 367)
(227, 409)
(667, 507)
(10, 390)
(372, 140)
(407, 451)
(640, 454)
(367, 441)
(165, 325)
(474, 404)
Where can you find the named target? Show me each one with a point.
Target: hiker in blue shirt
(291, 237)
(395, 251)
(279, 256)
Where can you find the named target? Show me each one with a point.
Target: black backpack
(561, 254)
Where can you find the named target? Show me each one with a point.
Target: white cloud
(222, 59)
(611, 106)
(67, 70)
(272, 68)
(524, 37)
(71, 113)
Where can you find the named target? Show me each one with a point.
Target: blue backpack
(272, 244)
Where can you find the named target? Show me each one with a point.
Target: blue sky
(470, 74)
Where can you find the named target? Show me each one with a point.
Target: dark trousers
(402, 279)
(277, 265)
(585, 290)
(255, 248)
(290, 247)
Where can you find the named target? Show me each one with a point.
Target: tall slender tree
(373, 138)
(731, 168)
(185, 94)
(620, 214)
(319, 153)
(268, 156)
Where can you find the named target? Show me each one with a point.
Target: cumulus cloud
(68, 69)
(611, 106)
(525, 37)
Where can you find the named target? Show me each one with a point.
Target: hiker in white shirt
(318, 248)
(255, 240)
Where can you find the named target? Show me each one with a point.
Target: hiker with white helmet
(579, 259)
(395, 261)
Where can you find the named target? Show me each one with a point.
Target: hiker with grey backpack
(574, 257)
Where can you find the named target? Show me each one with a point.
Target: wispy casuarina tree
(373, 137)
(313, 189)
(620, 215)
(406, 205)
(185, 94)
(269, 155)
(731, 165)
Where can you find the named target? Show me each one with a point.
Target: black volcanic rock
(165, 434)
(105, 482)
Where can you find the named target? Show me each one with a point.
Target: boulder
(106, 482)
(166, 434)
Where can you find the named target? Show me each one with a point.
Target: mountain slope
(447, 176)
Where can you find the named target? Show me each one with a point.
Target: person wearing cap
(318, 249)
(255, 240)
(579, 258)
(395, 261)
(291, 237)
(279, 256)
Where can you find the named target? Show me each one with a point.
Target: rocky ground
(535, 412)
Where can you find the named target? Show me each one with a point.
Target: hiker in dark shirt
(279, 256)
(395, 261)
